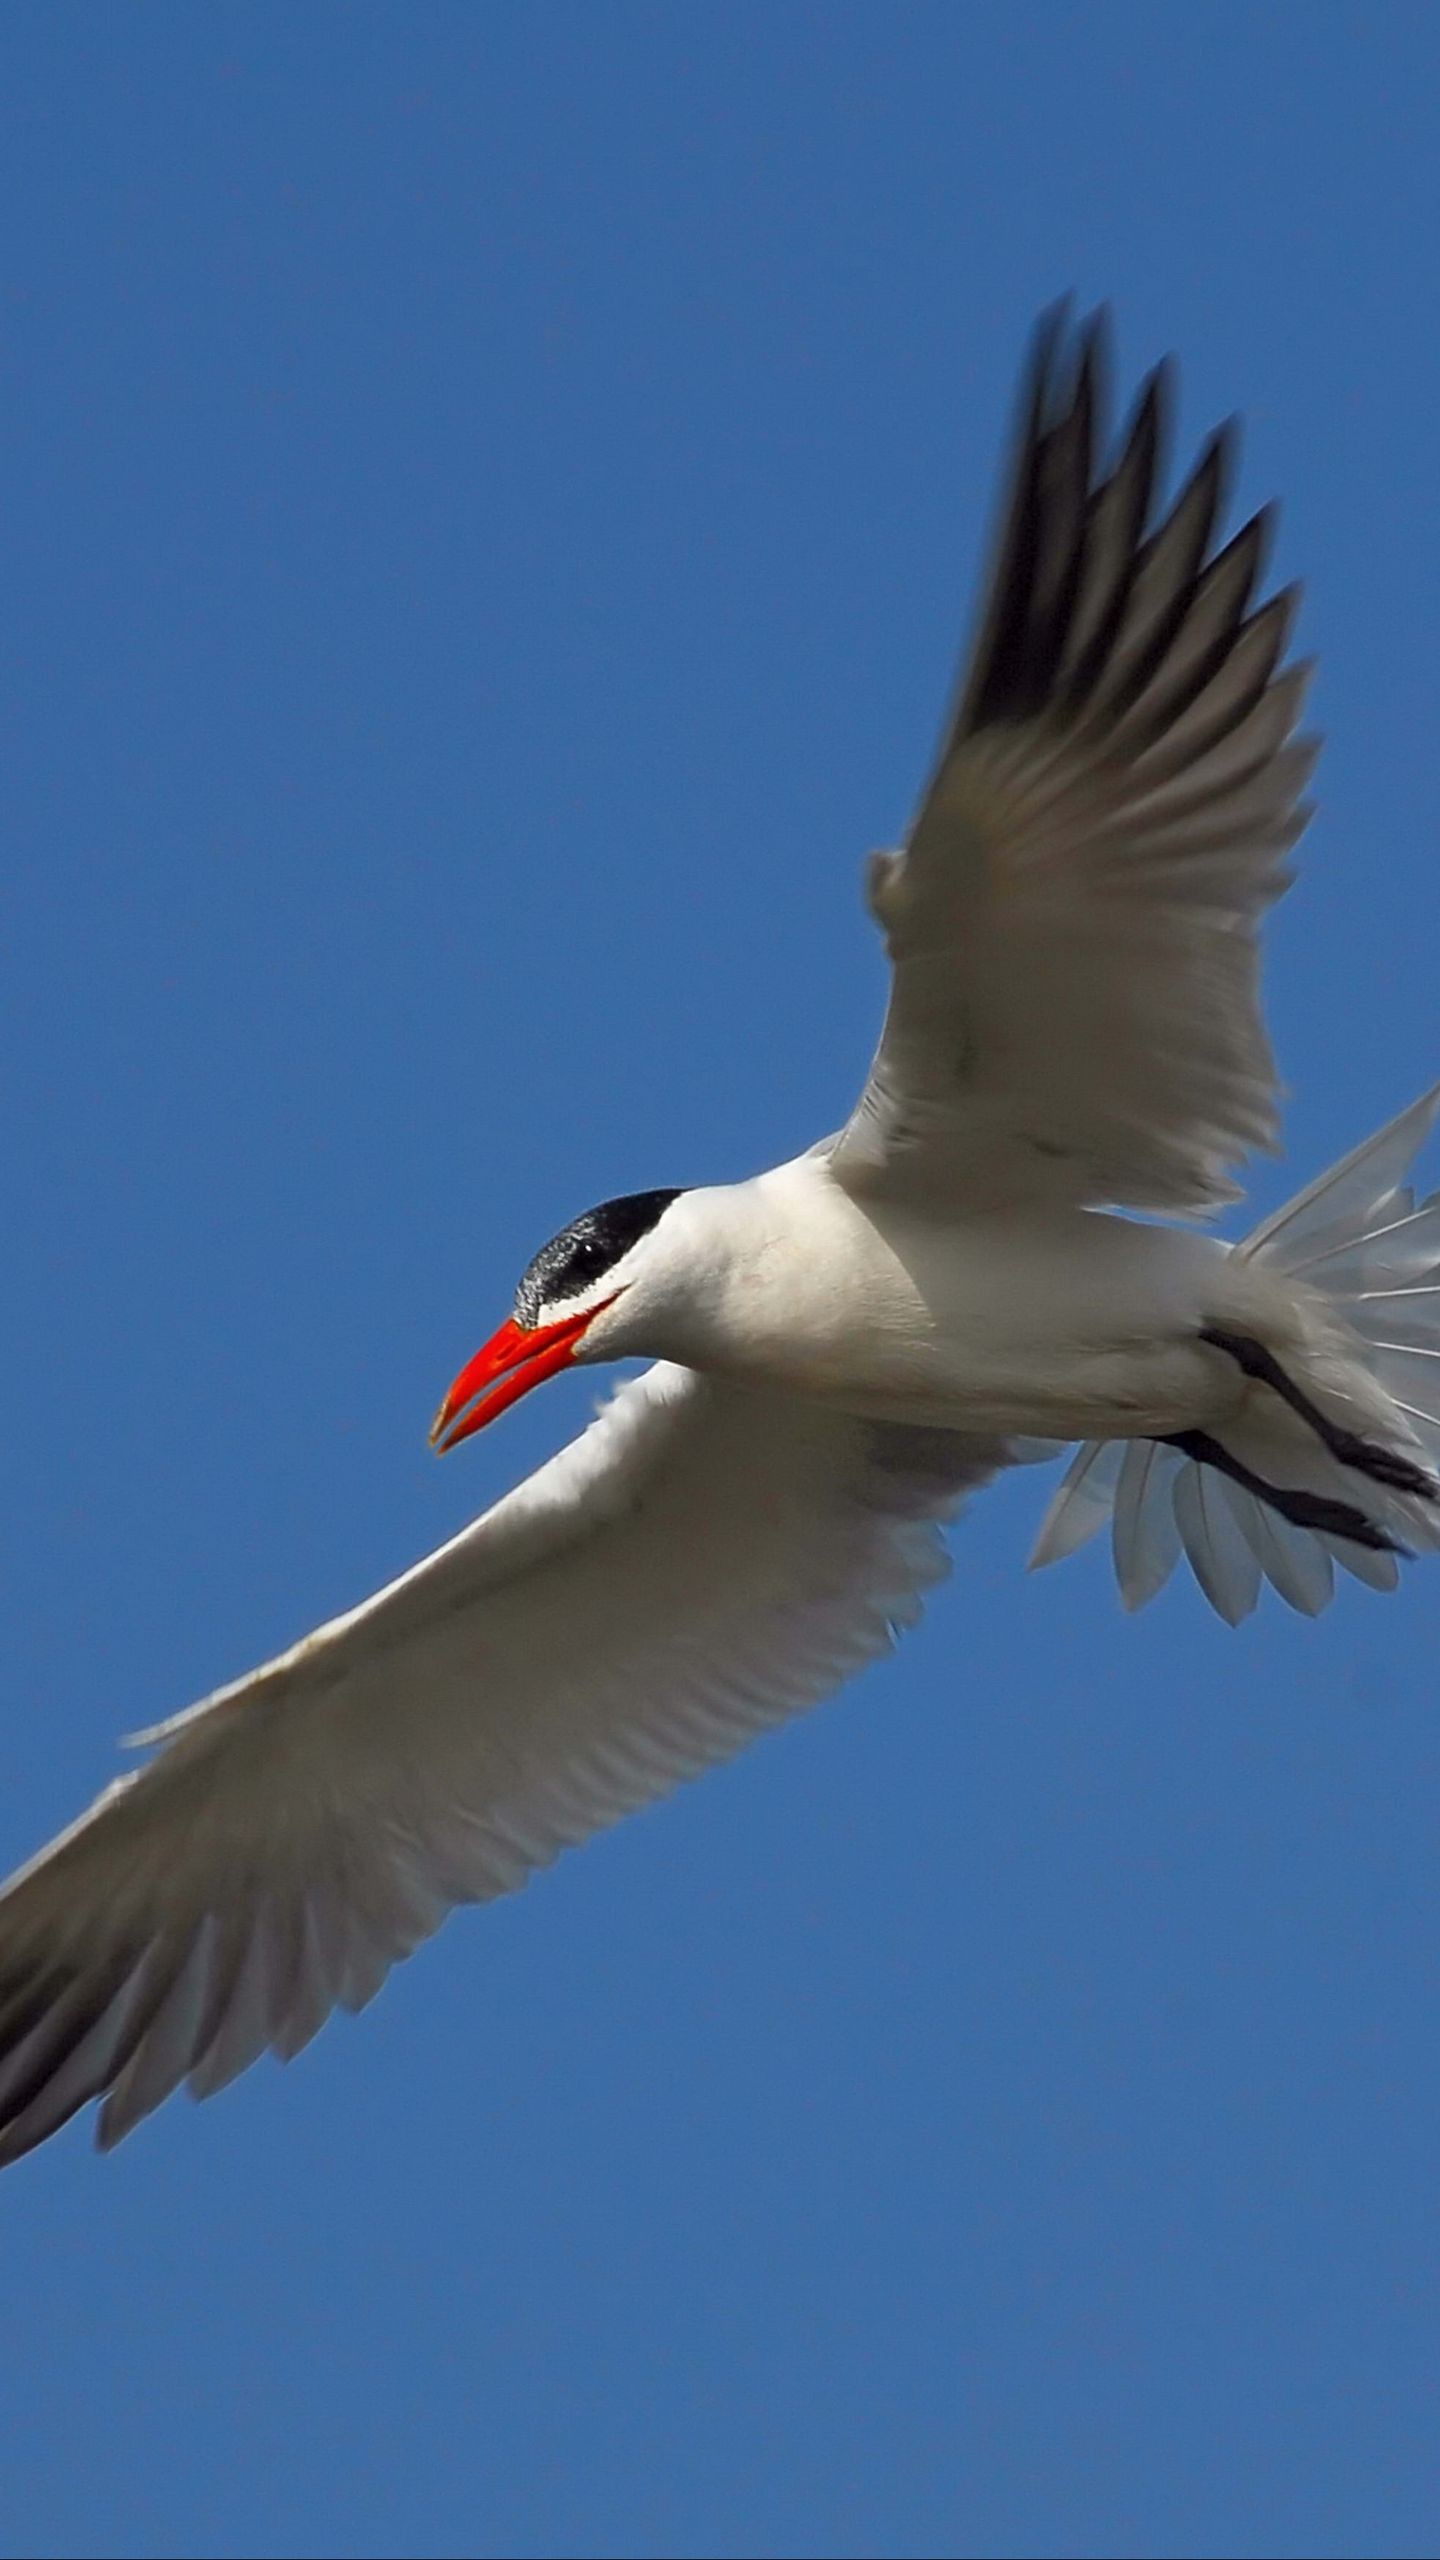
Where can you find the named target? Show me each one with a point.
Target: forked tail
(1360, 1240)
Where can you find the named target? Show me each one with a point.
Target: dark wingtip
(1091, 383)
(1035, 409)
(1081, 525)
(1218, 465)
(1097, 360)
(1145, 439)
(1254, 543)
(1160, 394)
(1052, 326)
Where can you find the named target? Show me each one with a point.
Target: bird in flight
(975, 1271)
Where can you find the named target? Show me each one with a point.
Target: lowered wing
(703, 1562)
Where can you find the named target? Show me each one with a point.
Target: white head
(594, 1292)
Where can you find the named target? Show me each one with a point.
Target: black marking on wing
(1095, 615)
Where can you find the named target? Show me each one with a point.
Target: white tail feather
(1358, 1237)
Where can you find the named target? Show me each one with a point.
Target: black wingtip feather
(1127, 495)
(1046, 645)
(1041, 544)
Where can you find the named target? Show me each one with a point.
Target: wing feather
(1073, 923)
(703, 1562)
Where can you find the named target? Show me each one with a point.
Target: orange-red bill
(513, 1361)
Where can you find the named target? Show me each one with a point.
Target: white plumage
(846, 1346)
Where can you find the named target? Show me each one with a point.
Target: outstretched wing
(701, 1563)
(1073, 923)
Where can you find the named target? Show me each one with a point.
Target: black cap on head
(584, 1251)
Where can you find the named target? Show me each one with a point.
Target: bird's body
(1062, 1323)
(845, 1346)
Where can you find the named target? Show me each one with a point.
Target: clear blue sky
(490, 500)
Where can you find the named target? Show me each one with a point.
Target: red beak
(523, 1356)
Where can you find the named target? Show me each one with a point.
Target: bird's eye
(584, 1262)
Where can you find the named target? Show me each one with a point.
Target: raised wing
(701, 1563)
(1073, 923)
